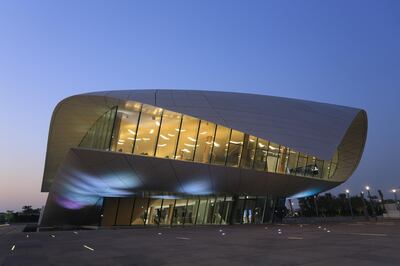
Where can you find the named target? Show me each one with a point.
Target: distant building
(173, 157)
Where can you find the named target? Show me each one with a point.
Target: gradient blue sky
(342, 52)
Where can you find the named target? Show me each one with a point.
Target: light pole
(370, 202)
(396, 202)
(364, 205)
(348, 197)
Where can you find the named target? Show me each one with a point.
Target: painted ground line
(89, 248)
(367, 234)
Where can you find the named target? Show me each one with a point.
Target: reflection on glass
(220, 145)
(327, 167)
(235, 148)
(168, 136)
(127, 120)
(100, 133)
(334, 164)
(167, 211)
(202, 210)
(272, 156)
(249, 150)
(301, 164)
(179, 212)
(154, 212)
(204, 142)
(311, 168)
(320, 166)
(209, 214)
(149, 123)
(191, 211)
(187, 138)
(139, 214)
(218, 211)
(293, 157)
(261, 155)
(282, 160)
(227, 210)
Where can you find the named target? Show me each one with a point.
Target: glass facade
(147, 130)
(219, 210)
(100, 133)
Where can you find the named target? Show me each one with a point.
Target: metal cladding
(78, 178)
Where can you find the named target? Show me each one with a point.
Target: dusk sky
(341, 52)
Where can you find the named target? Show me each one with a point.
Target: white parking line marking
(89, 248)
(294, 238)
(183, 238)
(367, 234)
(13, 247)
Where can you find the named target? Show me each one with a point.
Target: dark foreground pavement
(362, 243)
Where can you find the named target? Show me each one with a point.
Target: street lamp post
(348, 197)
(370, 202)
(364, 205)
(396, 202)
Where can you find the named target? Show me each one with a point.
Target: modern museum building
(187, 157)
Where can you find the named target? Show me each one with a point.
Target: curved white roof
(314, 128)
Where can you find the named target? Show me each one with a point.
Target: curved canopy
(313, 128)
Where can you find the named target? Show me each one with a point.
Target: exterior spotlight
(347, 191)
(393, 190)
(367, 187)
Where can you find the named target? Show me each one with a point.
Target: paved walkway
(361, 243)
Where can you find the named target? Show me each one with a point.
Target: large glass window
(204, 142)
(154, 212)
(179, 212)
(220, 145)
(311, 168)
(149, 124)
(126, 124)
(327, 167)
(187, 138)
(282, 160)
(100, 133)
(249, 151)
(168, 136)
(202, 211)
(301, 164)
(227, 210)
(293, 157)
(209, 214)
(261, 155)
(235, 148)
(320, 165)
(334, 164)
(218, 211)
(272, 156)
(139, 214)
(167, 211)
(191, 211)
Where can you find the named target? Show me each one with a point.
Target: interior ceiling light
(192, 139)
(189, 145)
(151, 131)
(171, 135)
(186, 150)
(216, 144)
(158, 123)
(131, 131)
(273, 148)
(202, 133)
(164, 137)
